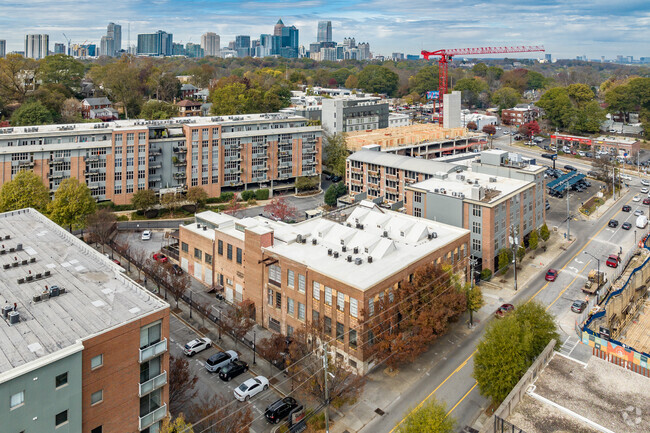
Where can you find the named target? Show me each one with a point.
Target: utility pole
(327, 394)
(568, 215)
(514, 241)
(472, 262)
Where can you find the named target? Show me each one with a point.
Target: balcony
(180, 149)
(154, 152)
(356, 181)
(155, 165)
(92, 171)
(356, 170)
(153, 417)
(373, 173)
(26, 164)
(180, 162)
(285, 164)
(391, 177)
(180, 175)
(153, 384)
(92, 159)
(260, 155)
(392, 189)
(152, 351)
(56, 176)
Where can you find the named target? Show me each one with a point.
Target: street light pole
(254, 348)
(190, 303)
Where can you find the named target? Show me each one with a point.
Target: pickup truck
(591, 285)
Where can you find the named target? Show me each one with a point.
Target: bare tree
(273, 349)
(238, 319)
(181, 385)
(216, 418)
(101, 225)
(123, 249)
(140, 259)
(178, 283)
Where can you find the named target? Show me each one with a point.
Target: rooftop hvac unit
(198, 225)
(493, 179)
(6, 266)
(344, 248)
(358, 261)
(356, 250)
(436, 190)
(304, 240)
(299, 239)
(6, 309)
(475, 181)
(7, 237)
(349, 224)
(19, 247)
(336, 254)
(54, 291)
(349, 258)
(369, 259)
(360, 226)
(329, 251)
(385, 234)
(14, 317)
(314, 241)
(205, 228)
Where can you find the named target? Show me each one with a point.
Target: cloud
(566, 27)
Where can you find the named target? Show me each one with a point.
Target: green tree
(429, 418)
(233, 99)
(122, 81)
(157, 110)
(474, 301)
(52, 96)
(588, 117)
(378, 79)
(25, 190)
(425, 80)
(480, 69)
(544, 233)
(535, 80)
(31, 113)
(144, 199)
(558, 107)
(352, 82)
(335, 153)
(534, 316)
(307, 183)
(196, 195)
(334, 191)
(506, 97)
(471, 89)
(580, 93)
(61, 69)
(72, 204)
(16, 77)
(505, 258)
(521, 253)
(170, 201)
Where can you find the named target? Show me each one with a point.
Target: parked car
(551, 275)
(578, 306)
(645, 182)
(216, 362)
(612, 261)
(613, 223)
(626, 226)
(646, 201)
(159, 257)
(197, 345)
(177, 270)
(251, 388)
(589, 154)
(626, 208)
(117, 262)
(504, 310)
(335, 179)
(233, 369)
(642, 221)
(570, 168)
(280, 409)
(146, 235)
(644, 190)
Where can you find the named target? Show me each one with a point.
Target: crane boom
(446, 56)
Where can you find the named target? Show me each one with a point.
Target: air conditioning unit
(314, 241)
(349, 258)
(336, 254)
(369, 259)
(344, 248)
(329, 251)
(356, 250)
(358, 261)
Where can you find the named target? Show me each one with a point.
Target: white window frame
(354, 307)
(101, 397)
(94, 359)
(316, 290)
(17, 400)
(340, 301)
(328, 296)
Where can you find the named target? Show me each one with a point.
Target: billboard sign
(432, 94)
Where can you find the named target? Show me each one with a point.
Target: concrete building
(155, 44)
(220, 153)
(211, 44)
(243, 45)
(324, 31)
(395, 120)
(3, 48)
(520, 114)
(612, 145)
(84, 348)
(348, 114)
(451, 110)
(37, 46)
(107, 46)
(480, 120)
(502, 194)
(318, 270)
(114, 31)
(59, 48)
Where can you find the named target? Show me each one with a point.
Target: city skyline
(395, 26)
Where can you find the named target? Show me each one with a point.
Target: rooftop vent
(369, 259)
(349, 258)
(356, 250)
(493, 179)
(19, 247)
(299, 239)
(314, 241)
(385, 234)
(205, 228)
(360, 226)
(335, 254)
(358, 261)
(6, 310)
(344, 248)
(432, 235)
(198, 225)
(54, 291)
(14, 317)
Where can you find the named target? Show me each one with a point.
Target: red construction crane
(446, 56)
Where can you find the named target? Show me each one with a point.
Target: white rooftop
(616, 139)
(98, 296)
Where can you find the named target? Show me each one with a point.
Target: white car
(251, 388)
(638, 212)
(146, 235)
(581, 153)
(645, 190)
(626, 177)
(197, 345)
(636, 198)
(645, 182)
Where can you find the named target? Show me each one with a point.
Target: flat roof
(611, 139)
(402, 162)
(98, 296)
(570, 396)
(418, 134)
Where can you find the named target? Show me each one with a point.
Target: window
(315, 317)
(328, 295)
(371, 307)
(476, 227)
(316, 290)
(97, 397)
(290, 278)
(301, 311)
(301, 283)
(476, 244)
(417, 212)
(278, 300)
(353, 338)
(184, 247)
(275, 274)
(476, 210)
(328, 325)
(208, 258)
(96, 430)
(354, 307)
(17, 400)
(150, 334)
(340, 301)
(270, 297)
(97, 361)
(239, 256)
(289, 330)
(290, 306)
(198, 254)
(61, 380)
(340, 331)
(229, 252)
(417, 197)
(61, 418)
(220, 248)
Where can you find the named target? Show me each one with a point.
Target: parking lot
(556, 214)
(210, 384)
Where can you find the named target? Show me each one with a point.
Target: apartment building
(117, 159)
(520, 114)
(353, 113)
(501, 195)
(318, 269)
(83, 347)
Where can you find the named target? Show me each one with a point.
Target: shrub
(262, 194)
(544, 233)
(247, 195)
(486, 274)
(225, 197)
(533, 240)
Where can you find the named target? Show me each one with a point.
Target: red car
(117, 262)
(551, 275)
(612, 261)
(646, 201)
(504, 310)
(160, 258)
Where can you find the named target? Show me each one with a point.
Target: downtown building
(211, 44)
(116, 159)
(319, 270)
(83, 348)
(155, 44)
(37, 46)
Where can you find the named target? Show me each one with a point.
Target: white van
(642, 222)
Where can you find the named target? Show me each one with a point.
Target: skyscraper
(155, 44)
(243, 45)
(3, 48)
(324, 31)
(115, 31)
(548, 57)
(277, 30)
(107, 46)
(59, 48)
(37, 46)
(211, 44)
(289, 44)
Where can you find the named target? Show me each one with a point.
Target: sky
(567, 28)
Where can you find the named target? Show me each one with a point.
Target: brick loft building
(520, 114)
(116, 159)
(318, 269)
(85, 347)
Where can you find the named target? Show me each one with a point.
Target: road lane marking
(569, 285)
(463, 398)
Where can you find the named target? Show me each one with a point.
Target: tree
(170, 201)
(182, 383)
(16, 77)
(533, 240)
(474, 301)
(334, 191)
(72, 204)
(429, 418)
(233, 206)
(472, 126)
(509, 346)
(335, 153)
(425, 80)
(178, 283)
(535, 80)
(31, 113)
(61, 69)
(490, 129)
(52, 96)
(307, 183)
(215, 414)
(101, 225)
(178, 425)
(505, 258)
(281, 209)
(471, 89)
(378, 79)
(71, 111)
(196, 195)
(529, 129)
(122, 81)
(25, 190)
(351, 82)
(273, 348)
(558, 107)
(521, 253)
(544, 233)
(480, 69)
(158, 110)
(516, 79)
(505, 97)
(144, 199)
(238, 319)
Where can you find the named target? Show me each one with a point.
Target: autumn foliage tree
(273, 348)
(281, 209)
(215, 414)
(101, 226)
(238, 319)
(490, 129)
(408, 320)
(529, 129)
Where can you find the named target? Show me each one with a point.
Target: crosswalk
(569, 344)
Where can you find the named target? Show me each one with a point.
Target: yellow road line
(459, 401)
(569, 285)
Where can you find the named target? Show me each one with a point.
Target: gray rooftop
(98, 296)
(98, 101)
(419, 165)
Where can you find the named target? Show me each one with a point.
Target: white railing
(153, 384)
(152, 351)
(153, 417)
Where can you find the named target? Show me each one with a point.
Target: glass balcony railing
(153, 384)
(152, 351)
(153, 417)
